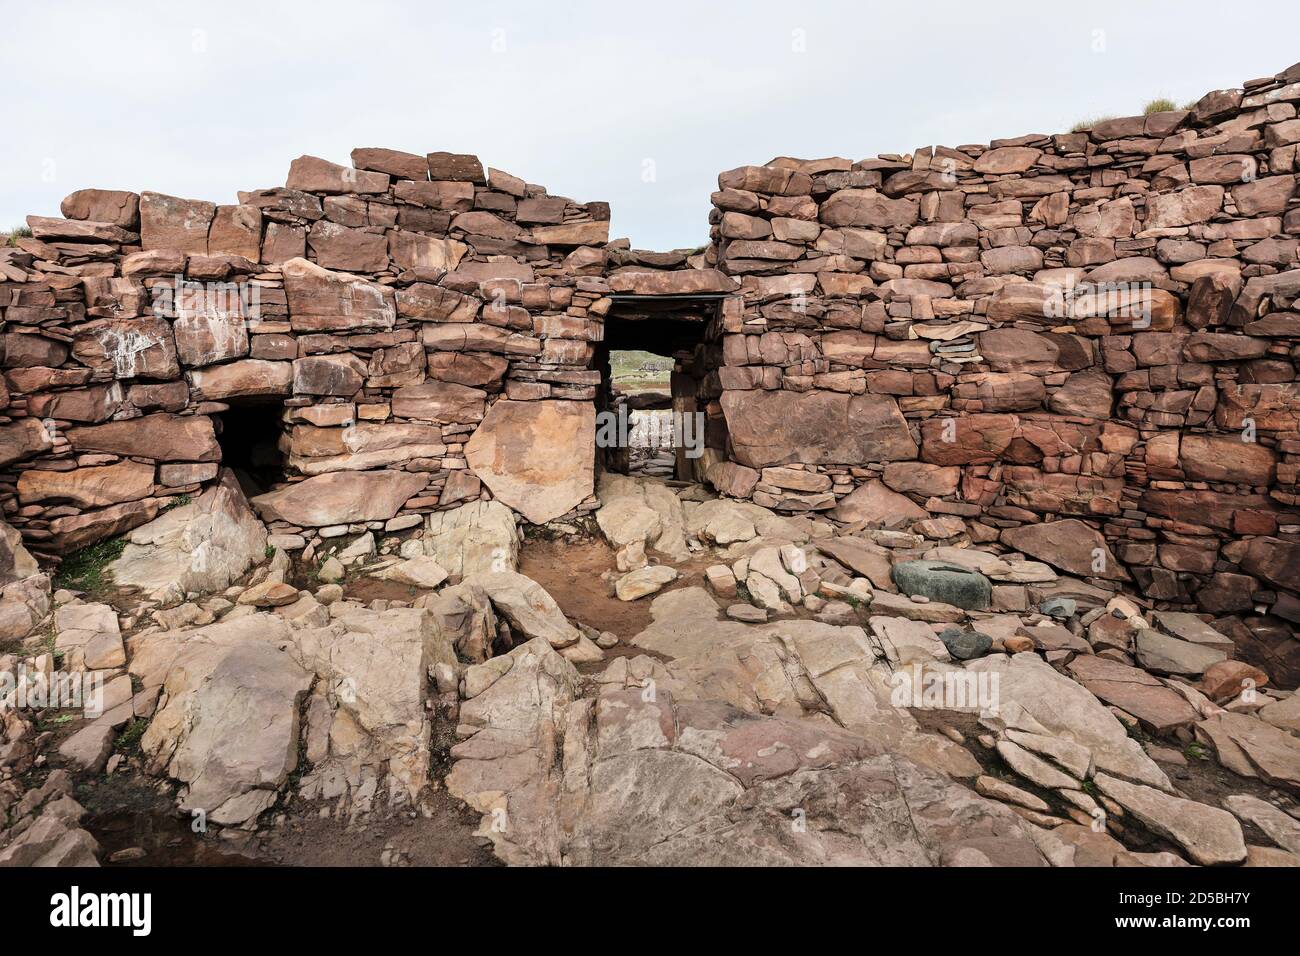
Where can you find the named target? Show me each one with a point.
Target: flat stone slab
(340, 498)
(862, 557)
(1053, 637)
(538, 457)
(643, 581)
(747, 613)
(777, 427)
(993, 566)
(1135, 691)
(1189, 627)
(1071, 545)
(1282, 828)
(1170, 655)
(1034, 768)
(424, 572)
(1248, 746)
(1211, 837)
(899, 605)
(1283, 714)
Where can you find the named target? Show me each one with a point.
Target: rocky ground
(684, 679)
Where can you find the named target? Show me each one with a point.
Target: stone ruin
(954, 374)
(1083, 346)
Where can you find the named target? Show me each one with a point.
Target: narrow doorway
(642, 381)
(655, 361)
(249, 433)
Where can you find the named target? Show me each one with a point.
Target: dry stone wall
(1083, 345)
(1080, 345)
(423, 327)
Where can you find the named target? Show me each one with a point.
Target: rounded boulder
(944, 582)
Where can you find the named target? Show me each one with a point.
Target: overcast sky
(639, 104)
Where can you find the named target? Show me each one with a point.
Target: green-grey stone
(1059, 607)
(942, 581)
(965, 644)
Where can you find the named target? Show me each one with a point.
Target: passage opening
(642, 381)
(249, 435)
(654, 361)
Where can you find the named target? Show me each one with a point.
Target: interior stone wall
(1072, 343)
(396, 308)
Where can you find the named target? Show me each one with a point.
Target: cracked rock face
(514, 732)
(1030, 688)
(476, 537)
(233, 694)
(199, 547)
(636, 511)
(787, 743)
(636, 775)
(537, 457)
(720, 754)
(227, 723)
(367, 718)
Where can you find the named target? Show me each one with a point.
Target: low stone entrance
(654, 363)
(250, 435)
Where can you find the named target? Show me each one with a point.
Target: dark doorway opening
(641, 383)
(655, 363)
(249, 433)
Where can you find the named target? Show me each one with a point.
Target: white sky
(202, 100)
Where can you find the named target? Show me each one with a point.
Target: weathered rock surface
(476, 537)
(1212, 837)
(526, 605)
(536, 457)
(1283, 829)
(423, 572)
(773, 428)
(161, 437)
(1168, 655)
(200, 547)
(54, 837)
(340, 498)
(1029, 686)
(228, 723)
(1253, 748)
(88, 487)
(626, 778)
(644, 581)
(16, 562)
(1070, 545)
(1134, 691)
(1283, 714)
(228, 726)
(641, 510)
(877, 505)
(89, 637)
(373, 728)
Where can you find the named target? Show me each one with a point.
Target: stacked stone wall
(1082, 344)
(387, 311)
